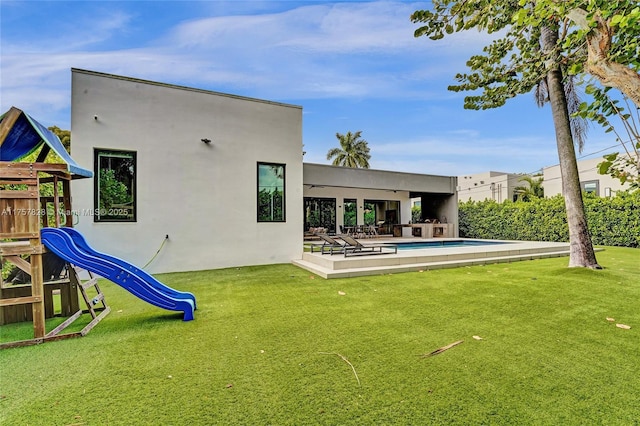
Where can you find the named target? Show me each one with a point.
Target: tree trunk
(581, 248)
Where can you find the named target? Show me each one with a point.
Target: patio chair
(354, 247)
(329, 246)
(310, 234)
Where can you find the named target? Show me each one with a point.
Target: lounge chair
(329, 246)
(312, 233)
(354, 247)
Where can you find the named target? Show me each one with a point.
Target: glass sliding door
(370, 212)
(350, 210)
(320, 212)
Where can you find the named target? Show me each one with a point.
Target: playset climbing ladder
(97, 313)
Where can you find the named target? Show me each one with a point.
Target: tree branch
(609, 73)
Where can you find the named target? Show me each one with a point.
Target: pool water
(448, 243)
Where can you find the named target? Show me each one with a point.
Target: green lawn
(267, 343)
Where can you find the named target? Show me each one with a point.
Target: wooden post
(66, 201)
(56, 202)
(37, 288)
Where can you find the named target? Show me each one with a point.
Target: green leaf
(616, 20)
(611, 157)
(603, 168)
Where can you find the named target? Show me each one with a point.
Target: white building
(590, 180)
(496, 186)
(216, 180)
(194, 158)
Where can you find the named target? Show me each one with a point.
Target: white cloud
(347, 50)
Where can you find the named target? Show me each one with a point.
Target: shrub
(612, 221)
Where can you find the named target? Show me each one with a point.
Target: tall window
(114, 186)
(271, 192)
(350, 212)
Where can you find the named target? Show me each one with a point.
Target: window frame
(349, 201)
(97, 153)
(284, 191)
(595, 191)
(322, 203)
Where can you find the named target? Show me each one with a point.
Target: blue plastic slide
(79, 241)
(69, 244)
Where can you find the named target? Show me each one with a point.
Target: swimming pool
(446, 243)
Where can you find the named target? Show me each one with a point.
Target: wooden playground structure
(23, 213)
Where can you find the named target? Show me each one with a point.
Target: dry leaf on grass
(442, 349)
(610, 319)
(623, 326)
(477, 337)
(341, 293)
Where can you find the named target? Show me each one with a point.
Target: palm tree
(581, 252)
(353, 151)
(530, 192)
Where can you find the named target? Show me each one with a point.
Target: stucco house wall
(492, 185)
(203, 196)
(601, 185)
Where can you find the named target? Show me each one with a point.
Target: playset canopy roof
(21, 134)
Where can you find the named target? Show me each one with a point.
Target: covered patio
(376, 203)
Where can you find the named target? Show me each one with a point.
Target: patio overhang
(317, 175)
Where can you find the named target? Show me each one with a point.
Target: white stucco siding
(496, 186)
(204, 196)
(588, 172)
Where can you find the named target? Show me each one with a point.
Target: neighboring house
(500, 186)
(590, 180)
(496, 186)
(221, 175)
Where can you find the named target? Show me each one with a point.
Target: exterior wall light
(205, 140)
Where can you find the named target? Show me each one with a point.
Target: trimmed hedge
(612, 221)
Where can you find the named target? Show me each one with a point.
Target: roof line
(363, 170)
(179, 87)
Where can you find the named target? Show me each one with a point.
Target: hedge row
(612, 221)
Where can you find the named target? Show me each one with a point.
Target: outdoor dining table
(360, 231)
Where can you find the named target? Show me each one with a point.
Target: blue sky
(351, 65)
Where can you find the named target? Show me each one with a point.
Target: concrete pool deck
(422, 259)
